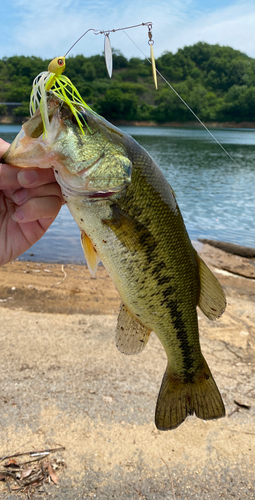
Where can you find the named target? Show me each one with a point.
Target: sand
(64, 382)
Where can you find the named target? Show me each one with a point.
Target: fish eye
(60, 62)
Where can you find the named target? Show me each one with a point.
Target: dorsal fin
(212, 300)
(131, 335)
(89, 253)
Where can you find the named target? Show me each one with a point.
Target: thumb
(3, 147)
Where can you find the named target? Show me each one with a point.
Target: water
(216, 197)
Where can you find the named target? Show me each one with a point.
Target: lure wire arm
(105, 32)
(97, 32)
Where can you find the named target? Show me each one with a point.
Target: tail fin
(177, 400)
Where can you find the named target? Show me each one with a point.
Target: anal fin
(131, 335)
(90, 253)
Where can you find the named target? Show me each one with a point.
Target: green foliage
(3, 109)
(239, 104)
(22, 110)
(119, 61)
(117, 104)
(218, 83)
(176, 67)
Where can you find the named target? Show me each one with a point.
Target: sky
(48, 28)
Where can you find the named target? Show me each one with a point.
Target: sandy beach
(63, 382)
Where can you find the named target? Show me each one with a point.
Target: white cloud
(233, 26)
(49, 28)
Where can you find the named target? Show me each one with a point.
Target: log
(232, 248)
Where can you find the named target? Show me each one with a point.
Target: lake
(215, 195)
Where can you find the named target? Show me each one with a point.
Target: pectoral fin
(131, 335)
(89, 253)
(129, 231)
(212, 301)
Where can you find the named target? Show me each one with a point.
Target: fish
(130, 220)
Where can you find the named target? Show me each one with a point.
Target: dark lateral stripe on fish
(176, 317)
(168, 292)
(157, 269)
(182, 336)
(163, 280)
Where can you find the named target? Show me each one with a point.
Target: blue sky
(48, 28)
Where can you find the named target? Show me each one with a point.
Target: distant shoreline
(191, 124)
(7, 120)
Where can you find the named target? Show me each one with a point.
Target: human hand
(30, 199)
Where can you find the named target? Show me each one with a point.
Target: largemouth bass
(130, 220)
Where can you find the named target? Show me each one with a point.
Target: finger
(35, 177)
(38, 208)
(8, 177)
(23, 195)
(45, 223)
(3, 147)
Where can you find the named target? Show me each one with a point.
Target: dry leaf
(53, 474)
(12, 464)
(25, 473)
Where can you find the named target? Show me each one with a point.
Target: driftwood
(247, 252)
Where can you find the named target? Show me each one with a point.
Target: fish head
(91, 162)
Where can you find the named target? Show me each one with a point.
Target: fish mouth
(102, 194)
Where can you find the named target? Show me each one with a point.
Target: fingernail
(20, 196)
(26, 177)
(18, 215)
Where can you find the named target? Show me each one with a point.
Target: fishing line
(187, 106)
(62, 85)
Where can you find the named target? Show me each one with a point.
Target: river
(215, 195)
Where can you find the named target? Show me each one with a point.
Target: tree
(216, 82)
(118, 105)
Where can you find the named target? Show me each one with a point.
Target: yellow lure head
(61, 86)
(57, 65)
